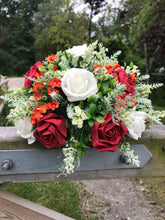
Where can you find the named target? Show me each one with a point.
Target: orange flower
(97, 66)
(55, 83)
(109, 69)
(134, 102)
(36, 87)
(37, 75)
(42, 108)
(116, 66)
(50, 90)
(33, 120)
(133, 78)
(37, 95)
(55, 67)
(36, 116)
(52, 105)
(51, 58)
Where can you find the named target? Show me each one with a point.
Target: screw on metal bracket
(7, 164)
(124, 159)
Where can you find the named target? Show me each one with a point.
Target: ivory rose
(24, 127)
(78, 84)
(135, 124)
(77, 51)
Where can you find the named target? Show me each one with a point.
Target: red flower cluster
(121, 102)
(133, 78)
(36, 87)
(54, 83)
(41, 109)
(52, 59)
(110, 69)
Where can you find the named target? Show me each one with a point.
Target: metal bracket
(31, 161)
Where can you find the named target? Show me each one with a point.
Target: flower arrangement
(80, 98)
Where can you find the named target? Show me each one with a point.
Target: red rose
(51, 130)
(123, 78)
(107, 136)
(32, 73)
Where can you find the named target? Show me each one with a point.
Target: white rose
(78, 84)
(77, 51)
(135, 124)
(24, 127)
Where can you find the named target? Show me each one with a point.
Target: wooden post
(14, 207)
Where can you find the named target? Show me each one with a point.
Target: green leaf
(92, 107)
(80, 153)
(91, 122)
(103, 112)
(90, 99)
(24, 89)
(100, 95)
(88, 115)
(100, 119)
(30, 90)
(77, 144)
(113, 81)
(81, 105)
(42, 68)
(99, 85)
(106, 88)
(87, 110)
(50, 66)
(85, 146)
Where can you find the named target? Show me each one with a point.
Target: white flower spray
(71, 159)
(77, 115)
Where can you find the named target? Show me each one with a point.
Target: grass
(62, 197)
(4, 113)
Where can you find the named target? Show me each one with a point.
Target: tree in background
(141, 24)
(148, 32)
(95, 8)
(65, 29)
(16, 36)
